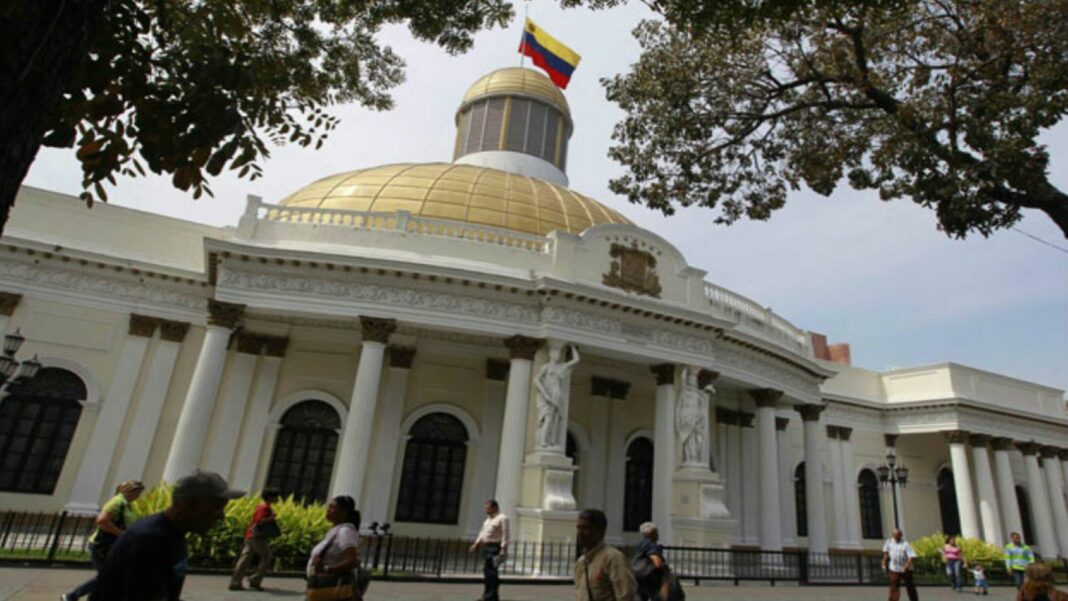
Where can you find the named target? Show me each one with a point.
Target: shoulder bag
(349, 586)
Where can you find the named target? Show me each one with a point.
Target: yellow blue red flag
(558, 60)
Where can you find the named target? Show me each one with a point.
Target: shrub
(975, 550)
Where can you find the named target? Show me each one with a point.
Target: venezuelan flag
(558, 60)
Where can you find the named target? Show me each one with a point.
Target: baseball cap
(205, 484)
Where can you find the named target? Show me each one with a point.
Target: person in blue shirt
(148, 561)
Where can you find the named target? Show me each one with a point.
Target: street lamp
(893, 475)
(12, 370)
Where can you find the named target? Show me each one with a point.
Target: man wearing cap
(148, 561)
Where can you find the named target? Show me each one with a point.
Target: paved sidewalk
(46, 584)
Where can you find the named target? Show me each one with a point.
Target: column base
(549, 528)
(548, 481)
(700, 517)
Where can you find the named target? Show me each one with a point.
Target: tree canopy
(937, 101)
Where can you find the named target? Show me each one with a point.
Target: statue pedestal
(699, 515)
(548, 479)
(554, 531)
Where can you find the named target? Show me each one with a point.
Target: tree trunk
(42, 43)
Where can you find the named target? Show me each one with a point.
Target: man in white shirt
(897, 560)
(493, 538)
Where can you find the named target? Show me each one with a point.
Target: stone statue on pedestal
(691, 419)
(551, 383)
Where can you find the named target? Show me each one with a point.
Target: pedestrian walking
(334, 563)
(261, 530)
(113, 519)
(493, 540)
(898, 555)
(1017, 557)
(1039, 585)
(601, 573)
(979, 575)
(148, 562)
(656, 582)
(955, 560)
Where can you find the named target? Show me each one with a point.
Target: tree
(939, 101)
(191, 87)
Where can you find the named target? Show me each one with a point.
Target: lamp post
(12, 370)
(893, 475)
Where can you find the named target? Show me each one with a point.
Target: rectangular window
(491, 137)
(549, 150)
(517, 124)
(536, 129)
(478, 122)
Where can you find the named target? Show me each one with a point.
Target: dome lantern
(517, 121)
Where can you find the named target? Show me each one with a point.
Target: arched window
(1025, 514)
(432, 481)
(947, 501)
(304, 451)
(638, 492)
(799, 499)
(871, 516)
(571, 450)
(37, 422)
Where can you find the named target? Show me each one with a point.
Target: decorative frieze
(224, 314)
(956, 436)
(497, 370)
(522, 347)
(8, 303)
(766, 397)
(376, 329)
(401, 356)
(143, 326)
(664, 373)
(810, 413)
(173, 331)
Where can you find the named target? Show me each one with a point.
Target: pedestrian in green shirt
(116, 515)
(1017, 557)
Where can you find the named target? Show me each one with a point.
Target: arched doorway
(432, 480)
(947, 502)
(800, 506)
(37, 423)
(304, 450)
(871, 515)
(638, 491)
(1024, 503)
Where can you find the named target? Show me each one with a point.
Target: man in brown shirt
(602, 573)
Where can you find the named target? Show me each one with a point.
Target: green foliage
(975, 550)
(938, 102)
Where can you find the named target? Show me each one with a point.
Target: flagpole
(523, 39)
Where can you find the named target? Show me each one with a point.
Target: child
(980, 579)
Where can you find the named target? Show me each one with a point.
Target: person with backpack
(113, 519)
(656, 581)
(261, 530)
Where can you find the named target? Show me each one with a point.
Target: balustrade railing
(752, 315)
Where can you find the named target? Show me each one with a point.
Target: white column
(786, 484)
(1055, 489)
(664, 450)
(735, 486)
(514, 426)
(388, 437)
(750, 481)
(770, 508)
(962, 483)
(233, 399)
(615, 481)
(989, 512)
(92, 476)
(595, 470)
(838, 509)
(817, 521)
(1040, 509)
(1010, 507)
(248, 457)
(489, 446)
(852, 493)
(154, 392)
(356, 438)
(192, 431)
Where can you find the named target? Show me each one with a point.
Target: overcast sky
(879, 276)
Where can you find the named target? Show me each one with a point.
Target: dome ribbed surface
(518, 81)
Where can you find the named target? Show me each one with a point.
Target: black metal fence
(61, 538)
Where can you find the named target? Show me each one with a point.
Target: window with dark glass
(871, 516)
(1025, 515)
(638, 491)
(433, 471)
(517, 125)
(304, 451)
(800, 506)
(477, 114)
(551, 120)
(37, 423)
(491, 137)
(947, 501)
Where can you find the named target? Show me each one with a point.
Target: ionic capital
(142, 325)
(601, 386)
(227, 315)
(979, 440)
(620, 389)
(706, 377)
(522, 347)
(832, 432)
(1062, 454)
(401, 356)
(275, 346)
(810, 413)
(1048, 452)
(248, 343)
(8, 303)
(376, 329)
(1000, 443)
(766, 397)
(726, 416)
(173, 331)
(497, 370)
(781, 423)
(956, 436)
(844, 433)
(745, 420)
(1028, 448)
(664, 373)
(890, 440)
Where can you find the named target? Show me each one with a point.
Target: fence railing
(64, 538)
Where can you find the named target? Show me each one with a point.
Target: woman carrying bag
(334, 566)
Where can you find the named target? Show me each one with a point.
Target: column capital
(1062, 454)
(979, 440)
(844, 433)
(781, 423)
(765, 397)
(1028, 448)
(745, 420)
(248, 343)
(706, 377)
(497, 370)
(956, 436)
(401, 356)
(620, 389)
(173, 331)
(726, 416)
(1000, 443)
(522, 347)
(8, 303)
(142, 325)
(275, 346)
(832, 432)
(224, 314)
(601, 386)
(664, 373)
(376, 329)
(1048, 452)
(810, 413)
(890, 440)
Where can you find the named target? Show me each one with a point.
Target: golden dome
(518, 81)
(463, 193)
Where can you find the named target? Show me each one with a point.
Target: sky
(876, 275)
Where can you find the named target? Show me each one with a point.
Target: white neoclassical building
(427, 336)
